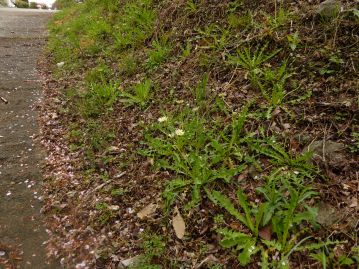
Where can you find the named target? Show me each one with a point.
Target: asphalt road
(22, 37)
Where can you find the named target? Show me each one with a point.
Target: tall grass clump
(93, 28)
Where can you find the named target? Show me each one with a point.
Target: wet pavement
(22, 37)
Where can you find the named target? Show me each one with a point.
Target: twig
(4, 100)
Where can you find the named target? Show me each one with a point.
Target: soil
(22, 36)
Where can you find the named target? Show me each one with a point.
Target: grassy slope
(208, 107)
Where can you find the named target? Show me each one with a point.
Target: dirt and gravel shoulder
(22, 234)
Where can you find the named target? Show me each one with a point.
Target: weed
(328, 259)
(293, 40)
(186, 51)
(97, 136)
(128, 64)
(135, 24)
(74, 134)
(355, 147)
(140, 96)
(200, 92)
(234, 5)
(251, 61)
(280, 157)
(197, 153)
(301, 98)
(99, 98)
(191, 6)
(271, 82)
(83, 31)
(159, 53)
(99, 74)
(280, 18)
(75, 137)
(216, 37)
(106, 214)
(245, 22)
(333, 66)
(274, 80)
(153, 247)
(282, 211)
(118, 192)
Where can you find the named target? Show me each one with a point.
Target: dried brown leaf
(147, 211)
(178, 224)
(266, 233)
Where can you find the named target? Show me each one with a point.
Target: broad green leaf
(259, 216)
(308, 215)
(244, 204)
(320, 257)
(248, 250)
(233, 238)
(226, 203)
(344, 260)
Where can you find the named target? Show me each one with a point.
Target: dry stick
(4, 100)
(337, 24)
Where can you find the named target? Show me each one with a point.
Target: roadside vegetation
(207, 134)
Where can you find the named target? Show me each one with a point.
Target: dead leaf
(147, 211)
(266, 233)
(211, 259)
(131, 261)
(354, 202)
(178, 224)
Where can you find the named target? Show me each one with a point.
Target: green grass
(83, 31)
(280, 18)
(282, 212)
(134, 25)
(106, 214)
(158, 54)
(98, 137)
(99, 74)
(99, 99)
(141, 94)
(195, 152)
(128, 64)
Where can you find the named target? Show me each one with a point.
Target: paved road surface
(22, 34)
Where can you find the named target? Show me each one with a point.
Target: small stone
(333, 152)
(327, 214)
(61, 64)
(329, 8)
(147, 211)
(114, 207)
(130, 261)
(113, 150)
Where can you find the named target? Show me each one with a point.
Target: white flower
(162, 119)
(179, 132)
(296, 172)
